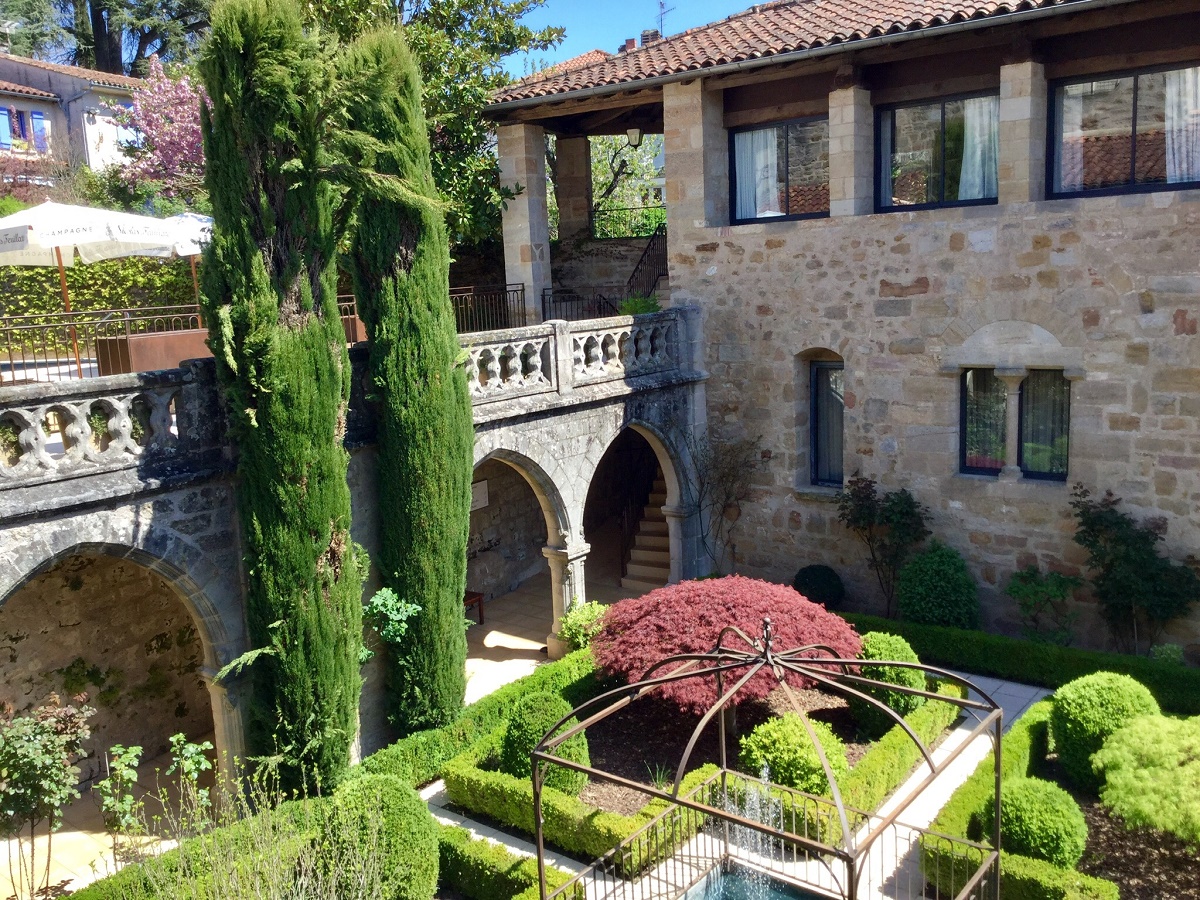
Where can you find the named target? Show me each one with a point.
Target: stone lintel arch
(558, 522)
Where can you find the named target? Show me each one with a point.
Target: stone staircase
(650, 560)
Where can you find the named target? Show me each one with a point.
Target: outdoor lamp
(635, 137)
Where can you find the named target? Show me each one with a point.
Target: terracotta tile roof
(575, 62)
(1098, 161)
(93, 75)
(766, 30)
(8, 87)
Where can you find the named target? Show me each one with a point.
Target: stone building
(952, 246)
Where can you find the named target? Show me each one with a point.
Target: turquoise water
(741, 884)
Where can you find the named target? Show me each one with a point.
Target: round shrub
(580, 624)
(1086, 711)
(1038, 819)
(820, 584)
(385, 815)
(1151, 773)
(688, 617)
(532, 716)
(878, 645)
(784, 746)
(936, 588)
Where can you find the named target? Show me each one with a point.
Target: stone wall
(118, 632)
(585, 263)
(507, 536)
(1107, 288)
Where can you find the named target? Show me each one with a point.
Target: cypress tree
(269, 299)
(399, 258)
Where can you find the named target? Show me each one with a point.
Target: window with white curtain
(941, 153)
(828, 405)
(1133, 131)
(780, 171)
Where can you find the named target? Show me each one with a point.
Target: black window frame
(761, 126)
(882, 110)
(963, 468)
(814, 366)
(1054, 139)
(1041, 476)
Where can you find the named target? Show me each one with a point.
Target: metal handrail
(651, 266)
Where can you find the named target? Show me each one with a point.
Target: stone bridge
(138, 468)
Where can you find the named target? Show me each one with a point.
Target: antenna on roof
(662, 14)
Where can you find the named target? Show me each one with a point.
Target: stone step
(638, 584)
(645, 554)
(660, 485)
(653, 514)
(652, 526)
(653, 541)
(658, 499)
(649, 571)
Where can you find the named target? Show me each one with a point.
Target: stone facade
(507, 535)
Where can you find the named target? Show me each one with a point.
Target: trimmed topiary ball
(533, 716)
(1151, 774)
(878, 645)
(1089, 709)
(1038, 819)
(936, 588)
(784, 746)
(820, 584)
(385, 814)
(688, 617)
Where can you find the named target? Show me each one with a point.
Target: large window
(942, 153)
(1044, 417)
(1138, 131)
(826, 422)
(780, 171)
(23, 131)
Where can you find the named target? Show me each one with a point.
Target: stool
(475, 599)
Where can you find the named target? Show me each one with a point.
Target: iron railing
(628, 222)
(651, 267)
(489, 308)
(577, 305)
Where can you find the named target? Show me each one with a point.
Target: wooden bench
(475, 599)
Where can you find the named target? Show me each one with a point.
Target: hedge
(1021, 878)
(132, 282)
(419, 758)
(567, 822)
(1177, 688)
(481, 870)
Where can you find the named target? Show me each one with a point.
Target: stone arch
(1012, 343)
(668, 459)
(558, 522)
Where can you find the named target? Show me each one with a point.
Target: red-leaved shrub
(688, 617)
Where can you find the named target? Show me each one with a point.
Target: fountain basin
(735, 882)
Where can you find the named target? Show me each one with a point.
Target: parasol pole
(62, 281)
(196, 285)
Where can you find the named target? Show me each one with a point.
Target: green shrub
(482, 870)
(1176, 689)
(638, 306)
(1087, 711)
(532, 718)
(1042, 600)
(936, 588)
(1171, 654)
(580, 624)
(382, 812)
(1151, 774)
(1039, 819)
(879, 645)
(820, 584)
(784, 746)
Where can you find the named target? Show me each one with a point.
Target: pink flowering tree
(168, 151)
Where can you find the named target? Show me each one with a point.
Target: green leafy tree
(269, 299)
(120, 36)
(39, 26)
(400, 261)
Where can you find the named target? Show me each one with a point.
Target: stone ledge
(816, 492)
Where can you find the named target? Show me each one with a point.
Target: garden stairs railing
(573, 304)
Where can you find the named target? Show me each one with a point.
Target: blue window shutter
(39, 132)
(5, 130)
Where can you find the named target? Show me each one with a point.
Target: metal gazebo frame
(699, 808)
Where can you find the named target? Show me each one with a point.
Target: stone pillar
(1012, 378)
(851, 152)
(573, 187)
(566, 587)
(229, 738)
(1023, 101)
(522, 151)
(676, 516)
(697, 160)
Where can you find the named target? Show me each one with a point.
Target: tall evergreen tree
(399, 258)
(269, 298)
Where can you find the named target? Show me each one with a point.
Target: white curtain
(1069, 176)
(981, 148)
(1183, 125)
(756, 158)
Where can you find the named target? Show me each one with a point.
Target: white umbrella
(193, 232)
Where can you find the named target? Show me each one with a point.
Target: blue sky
(606, 23)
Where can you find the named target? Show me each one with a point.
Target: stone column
(229, 737)
(1012, 378)
(676, 516)
(1023, 101)
(573, 187)
(522, 151)
(566, 587)
(697, 161)
(851, 152)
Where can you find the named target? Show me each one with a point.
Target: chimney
(630, 44)
(650, 35)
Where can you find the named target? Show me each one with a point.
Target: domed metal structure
(808, 845)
